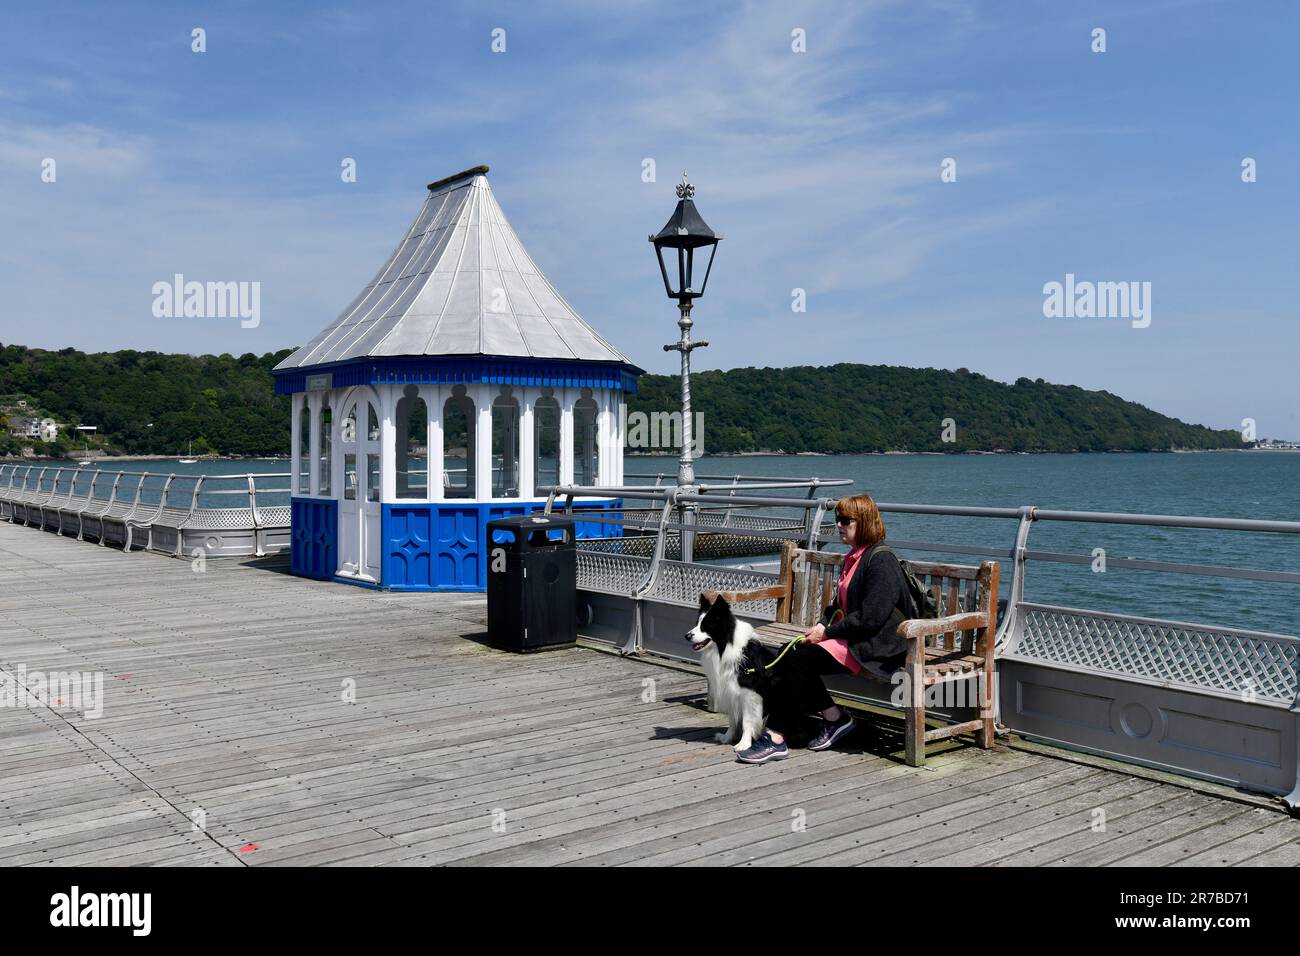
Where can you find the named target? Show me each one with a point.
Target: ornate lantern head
(685, 232)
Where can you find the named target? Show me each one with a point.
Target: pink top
(838, 647)
(846, 574)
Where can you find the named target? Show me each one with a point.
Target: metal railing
(140, 501)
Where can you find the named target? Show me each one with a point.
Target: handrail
(1170, 521)
(812, 485)
(50, 480)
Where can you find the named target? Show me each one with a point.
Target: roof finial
(684, 189)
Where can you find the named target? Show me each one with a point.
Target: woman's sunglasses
(842, 519)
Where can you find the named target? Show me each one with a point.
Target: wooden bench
(954, 647)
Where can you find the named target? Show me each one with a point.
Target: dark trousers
(797, 689)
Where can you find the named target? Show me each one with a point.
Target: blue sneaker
(832, 732)
(763, 750)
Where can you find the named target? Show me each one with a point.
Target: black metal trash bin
(532, 582)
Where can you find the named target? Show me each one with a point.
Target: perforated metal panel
(220, 518)
(611, 573)
(709, 545)
(1238, 662)
(682, 583)
(642, 545)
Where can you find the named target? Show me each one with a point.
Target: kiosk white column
(387, 442)
(295, 441)
(527, 443)
(621, 425)
(482, 442)
(313, 466)
(433, 399)
(604, 436)
(567, 398)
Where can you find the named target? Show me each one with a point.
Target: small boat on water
(189, 459)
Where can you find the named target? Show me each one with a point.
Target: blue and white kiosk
(454, 387)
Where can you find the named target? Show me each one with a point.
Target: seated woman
(871, 600)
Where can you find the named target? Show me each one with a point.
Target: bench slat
(923, 568)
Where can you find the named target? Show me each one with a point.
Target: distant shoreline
(716, 454)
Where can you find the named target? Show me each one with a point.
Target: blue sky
(820, 168)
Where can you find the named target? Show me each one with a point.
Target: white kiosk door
(359, 518)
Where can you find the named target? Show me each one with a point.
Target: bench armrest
(735, 597)
(918, 628)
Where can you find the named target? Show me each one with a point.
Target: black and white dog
(736, 666)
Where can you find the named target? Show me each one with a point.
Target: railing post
(657, 555)
(258, 550)
(726, 515)
(1016, 593)
(815, 522)
(27, 508)
(13, 473)
(194, 498)
(9, 492)
(139, 490)
(90, 499)
(634, 643)
(162, 504)
(180, 525)
(26, 477)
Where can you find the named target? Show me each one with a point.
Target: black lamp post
(686, 233)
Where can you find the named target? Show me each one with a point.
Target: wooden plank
(1032, 842)
(1062, 842)
(717, 835)
(916, 831)
(1286, 854)
(1188, 845)
(1133, 837)
(1277, 830)
(1073, 801)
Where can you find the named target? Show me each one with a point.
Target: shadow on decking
(875, 736)
(277, 563)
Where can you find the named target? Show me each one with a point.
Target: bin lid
(532, 521)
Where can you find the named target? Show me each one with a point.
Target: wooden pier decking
(224, 703)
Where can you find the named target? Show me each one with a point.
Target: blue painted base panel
(313, 531)
(426, 546)
(439, 547)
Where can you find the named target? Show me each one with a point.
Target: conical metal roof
(460, 283)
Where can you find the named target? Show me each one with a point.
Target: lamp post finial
(684, 189)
